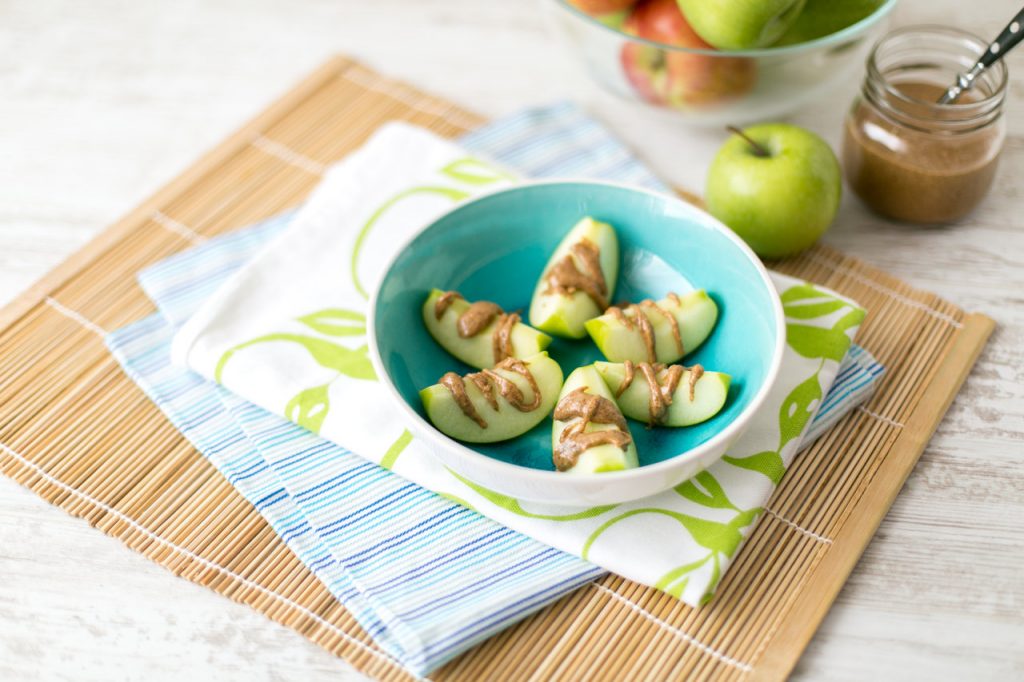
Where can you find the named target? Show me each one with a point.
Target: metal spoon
(1010, 36)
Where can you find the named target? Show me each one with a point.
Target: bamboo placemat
(74, 429)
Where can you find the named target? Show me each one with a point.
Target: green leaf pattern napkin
(288, 333)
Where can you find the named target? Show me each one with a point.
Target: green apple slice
(709, 393)
(695, 315)
(505, 420)
(477, 350)
(563, 314)
(603, 457)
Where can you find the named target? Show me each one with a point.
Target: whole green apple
(777, 186)
(741, 24)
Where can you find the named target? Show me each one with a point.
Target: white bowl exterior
(581, 489)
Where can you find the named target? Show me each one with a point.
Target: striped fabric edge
(358, 563)
(559, 141)
(143, 350)
(437, 563)
(178, 284)
(854, 385)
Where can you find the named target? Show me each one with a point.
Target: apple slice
(576, 447)
(695, 396)
(578, 280)
(499, 336)
(494, 404)
(621, 335)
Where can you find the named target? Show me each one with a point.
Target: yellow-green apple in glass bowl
(717, 62)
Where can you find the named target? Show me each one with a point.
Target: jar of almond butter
(908, 157)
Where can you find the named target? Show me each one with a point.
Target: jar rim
(998, 70)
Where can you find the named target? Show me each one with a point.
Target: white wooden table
(101, 102)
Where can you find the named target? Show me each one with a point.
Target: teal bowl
(495, 247)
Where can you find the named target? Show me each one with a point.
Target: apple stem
(759, 149)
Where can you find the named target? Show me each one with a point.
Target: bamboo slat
(75, 430)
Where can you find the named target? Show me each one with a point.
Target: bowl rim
(495, 466)
(782, 50)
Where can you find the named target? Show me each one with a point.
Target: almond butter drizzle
(443, 301)
(501, 339)
(672, 323)
(616, 312)
(637, 320)
(477, 317)
(643, 323)
(489, 382)
(628, 379)
(508, 389)
(660, 395)
(587, 408)
(633, 317)
(565, 277)
(486, 387)
(696, 372)
(457, 387)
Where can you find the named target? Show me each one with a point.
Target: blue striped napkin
(426, 578)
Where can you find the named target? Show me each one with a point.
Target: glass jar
(908, 157)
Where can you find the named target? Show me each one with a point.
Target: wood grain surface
(104, 101)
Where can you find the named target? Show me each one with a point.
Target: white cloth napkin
(287, 333)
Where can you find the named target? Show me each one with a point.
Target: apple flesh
(695, 315)
(600, 458)
(778, 188)
(741, 24)
(709, 394)
(563, 314)
(679, 79)
(478, 350)
(502, 423)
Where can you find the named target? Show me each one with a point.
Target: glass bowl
(713, 87)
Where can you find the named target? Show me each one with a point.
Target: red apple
(601, 7)
(679, 79)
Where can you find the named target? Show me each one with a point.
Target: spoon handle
(1006, 40)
